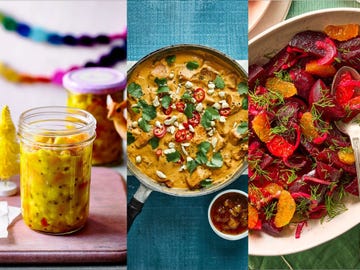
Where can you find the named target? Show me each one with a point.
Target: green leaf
(163, 89)
(245, 103)
(209, 115)
(191, 65)
(201, 158)
(135, 109)
(216, 161)
(165, 101)
(243, 88)
(242, 128)
(204, 147)
(154, 142)
(173, 157)
(186, 96)
(191, 165)
(219, 82)
(206, 183)
(189, 109)
(170, 59)
(135, 90)
(129, 138)
(144, 125)
(148, 111)
(161, 82)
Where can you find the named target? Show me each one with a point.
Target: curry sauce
(187, 119)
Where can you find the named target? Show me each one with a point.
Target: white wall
(72, 16)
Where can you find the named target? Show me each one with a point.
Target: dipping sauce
(229, 213)
(55, 169)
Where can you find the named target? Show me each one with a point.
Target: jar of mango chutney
(55, 168)
(91, 89)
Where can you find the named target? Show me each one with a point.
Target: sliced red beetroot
(350, 45)
(303, 81)
(277, 62)
(328, 46)
(317, 92)
(256, 73)
(335, 137)
(306, 41)
(330, 156)
(327, 172)
(269, 227)
(353, 187)
(309, 147)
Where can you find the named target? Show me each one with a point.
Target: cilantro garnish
(165, 101)
(129, 138)
(144, 125)
(206, 183)
(192, 65)
(209, 115)
(170, 59)
(191, 165)
(161, 82)
(243, 88)
(216, 161)
(219, 82)
(162, 85)
(135, 90)
(148, 111)
(189, 109)
(186, 96)
(173, 157)
(154, 142)
(242, 128)
(245, 103)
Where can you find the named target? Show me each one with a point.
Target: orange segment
(253, 216)
(285, 209)
(346, 155)
(261, 126)
(321, 70)
(342, 32)
(307, 126)
(286, 89)
(273, 188)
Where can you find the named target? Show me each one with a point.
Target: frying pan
(147, 185)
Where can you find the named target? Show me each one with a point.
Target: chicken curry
(187, 119)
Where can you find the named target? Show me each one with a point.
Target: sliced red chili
(158, 152)
(180, 106)
(167, 111)
(159, 131)
(224, 111)
(189, 135)
(195, 120)
(199, 94)
(180, 135)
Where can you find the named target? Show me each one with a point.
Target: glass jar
(55, 168)
(90, 89)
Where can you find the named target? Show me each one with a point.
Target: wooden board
(102, 240)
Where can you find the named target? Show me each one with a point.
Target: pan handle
(136, 204)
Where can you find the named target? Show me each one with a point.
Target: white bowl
(316, 232)
(219, 233)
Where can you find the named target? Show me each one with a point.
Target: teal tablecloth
(344, 251)
(173, 232)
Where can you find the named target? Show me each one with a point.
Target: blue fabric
(174, 233)
(220, 24)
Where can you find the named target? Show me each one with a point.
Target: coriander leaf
(189, 109)
(191, 65)
(173, 157)
(135, 90)
(245, 103)
(129, 138)
(163, 89)
(165, 101)
(148, 111)
(144, 125)
(216, 161)
(186, 96)
(243, 88)
(160, 82)
(170, 59)
(135, 109)
(154, 142)
(206, 183)
(219, 82)
(242, 128)
(191, 165)
(209, 115)
(204, 147)
(201, 158)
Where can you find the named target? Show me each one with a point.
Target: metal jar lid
(94, 80)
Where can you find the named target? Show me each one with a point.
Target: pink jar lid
(94, 80)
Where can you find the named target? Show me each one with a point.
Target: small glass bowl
(216, 230)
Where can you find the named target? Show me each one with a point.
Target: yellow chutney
(55, 168)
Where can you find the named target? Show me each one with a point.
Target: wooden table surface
(102, 240)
